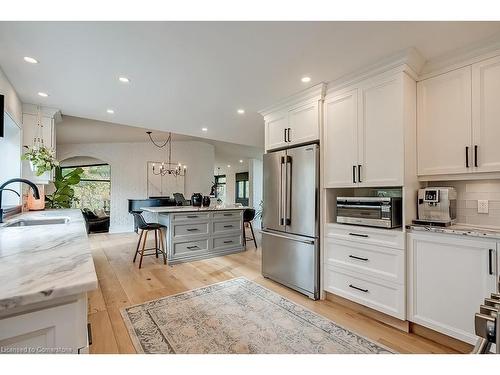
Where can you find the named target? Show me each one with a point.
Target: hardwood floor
(121, 284)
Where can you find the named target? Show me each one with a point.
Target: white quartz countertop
(43, 262)
(177, 209)
(459, 229)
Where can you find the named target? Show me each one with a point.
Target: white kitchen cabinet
(486, 115)
(364, 132)
(294, 121)
(340, 134)
(444, 123)
(448, 278)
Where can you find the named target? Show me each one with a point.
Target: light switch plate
(482, 206)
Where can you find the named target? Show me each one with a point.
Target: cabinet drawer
(190, 247)
(227, 215)
(383, 237)
(193, 216)
(379, 295)
(377, 261)
(189, 229)
(226, 242)
(226, 226)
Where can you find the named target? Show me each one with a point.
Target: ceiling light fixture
(124, 79)
(110, 111)
(241, 161)
(204, 129)
(228, 166)
(241, 111)
(167, 167)
(43, 94)
(306, 79)
(30, 60)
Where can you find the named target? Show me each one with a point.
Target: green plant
(260, 210)
(64, 194)
(42, 159)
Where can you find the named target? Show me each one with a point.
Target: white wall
(13, 105)
(255, 176)
(129, 174)
(10, 151)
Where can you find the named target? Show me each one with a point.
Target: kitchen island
(46, 270)
(200, 232)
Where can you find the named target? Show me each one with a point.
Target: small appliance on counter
(382, 212)
(437, 206)
(196, 199)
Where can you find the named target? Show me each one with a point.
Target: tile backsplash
(468, 193)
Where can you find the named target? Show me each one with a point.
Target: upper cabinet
(458, 111)
(364, 132)
(294, 121)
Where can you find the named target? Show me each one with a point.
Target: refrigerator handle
(311, 242)
(288, 214)
(282, 193)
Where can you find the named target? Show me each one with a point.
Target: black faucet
(36, 193)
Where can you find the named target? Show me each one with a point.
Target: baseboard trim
(440, 338)
(402, 325)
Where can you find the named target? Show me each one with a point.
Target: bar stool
(145, 229)
(248, 216)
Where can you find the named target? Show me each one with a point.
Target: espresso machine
(437, 206)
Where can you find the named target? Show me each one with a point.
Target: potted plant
(64, 194)
(42, 159)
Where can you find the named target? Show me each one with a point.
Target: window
(94, 190)
(242, 188)
(220, 183)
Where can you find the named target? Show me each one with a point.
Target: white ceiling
(189, 75)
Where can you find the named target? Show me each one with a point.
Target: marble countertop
(459, 229)
(176, 209)
(43, 262)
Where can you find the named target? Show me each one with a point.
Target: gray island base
(198, 233)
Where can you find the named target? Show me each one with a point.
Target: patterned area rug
(237, 316)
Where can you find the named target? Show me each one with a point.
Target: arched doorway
(93, 192)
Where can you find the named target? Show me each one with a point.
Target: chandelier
(167, 167)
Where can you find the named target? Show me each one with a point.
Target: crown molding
(316, 92)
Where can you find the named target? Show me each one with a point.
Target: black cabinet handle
(228, 214)
(354, 174)
(358, 235)
(89, 333)
(490, 262)
(192, 216)
(467, 156)
(228, 226)
(289, 140)
(359, 173)
(284, 134)
(230, 241)
(191, 247)
(360, 289)
(192, 229)
(358, 258)
(475, 156)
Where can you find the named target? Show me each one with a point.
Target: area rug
(237, 316)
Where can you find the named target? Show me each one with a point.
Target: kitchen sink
(33, 222)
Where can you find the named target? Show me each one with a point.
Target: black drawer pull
(490, 261)
(192, 247)
(192, 229)
(228, 226)
(228, 214)
(192, 216)
(230, 241)
(358, 235)
(89, 333)
(360, 289)
(358, 258)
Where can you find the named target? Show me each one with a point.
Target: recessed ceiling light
(228, 166)
(30, 60)
(124, 79)
(110, 111)
(241, 161)
(306, 79)
(204, 129)
(241, 111)
(43, 94)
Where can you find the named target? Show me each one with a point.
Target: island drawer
(226, 226)
(191, 216)
(227, 215)
(226, 242)
(190, 229)
(190, 246)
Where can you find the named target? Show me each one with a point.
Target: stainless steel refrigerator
(290, 237)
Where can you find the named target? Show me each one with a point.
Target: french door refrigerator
(290, 237)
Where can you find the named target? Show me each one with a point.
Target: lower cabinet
(448, 278)
(57, 326)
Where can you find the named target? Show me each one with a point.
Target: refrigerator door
(292, 261)
(273, 216)
(301, 204)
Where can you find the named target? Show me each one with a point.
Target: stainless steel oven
(383, 212)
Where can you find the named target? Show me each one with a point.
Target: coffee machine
(437, 206)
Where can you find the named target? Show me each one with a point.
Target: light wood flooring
(121, 284)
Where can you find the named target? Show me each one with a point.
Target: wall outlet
(482, 206)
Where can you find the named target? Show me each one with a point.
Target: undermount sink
(32, 222)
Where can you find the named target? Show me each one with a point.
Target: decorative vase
(206, 201)
(196, 199)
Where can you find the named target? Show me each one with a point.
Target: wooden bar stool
(248, 216)
(145, 229)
